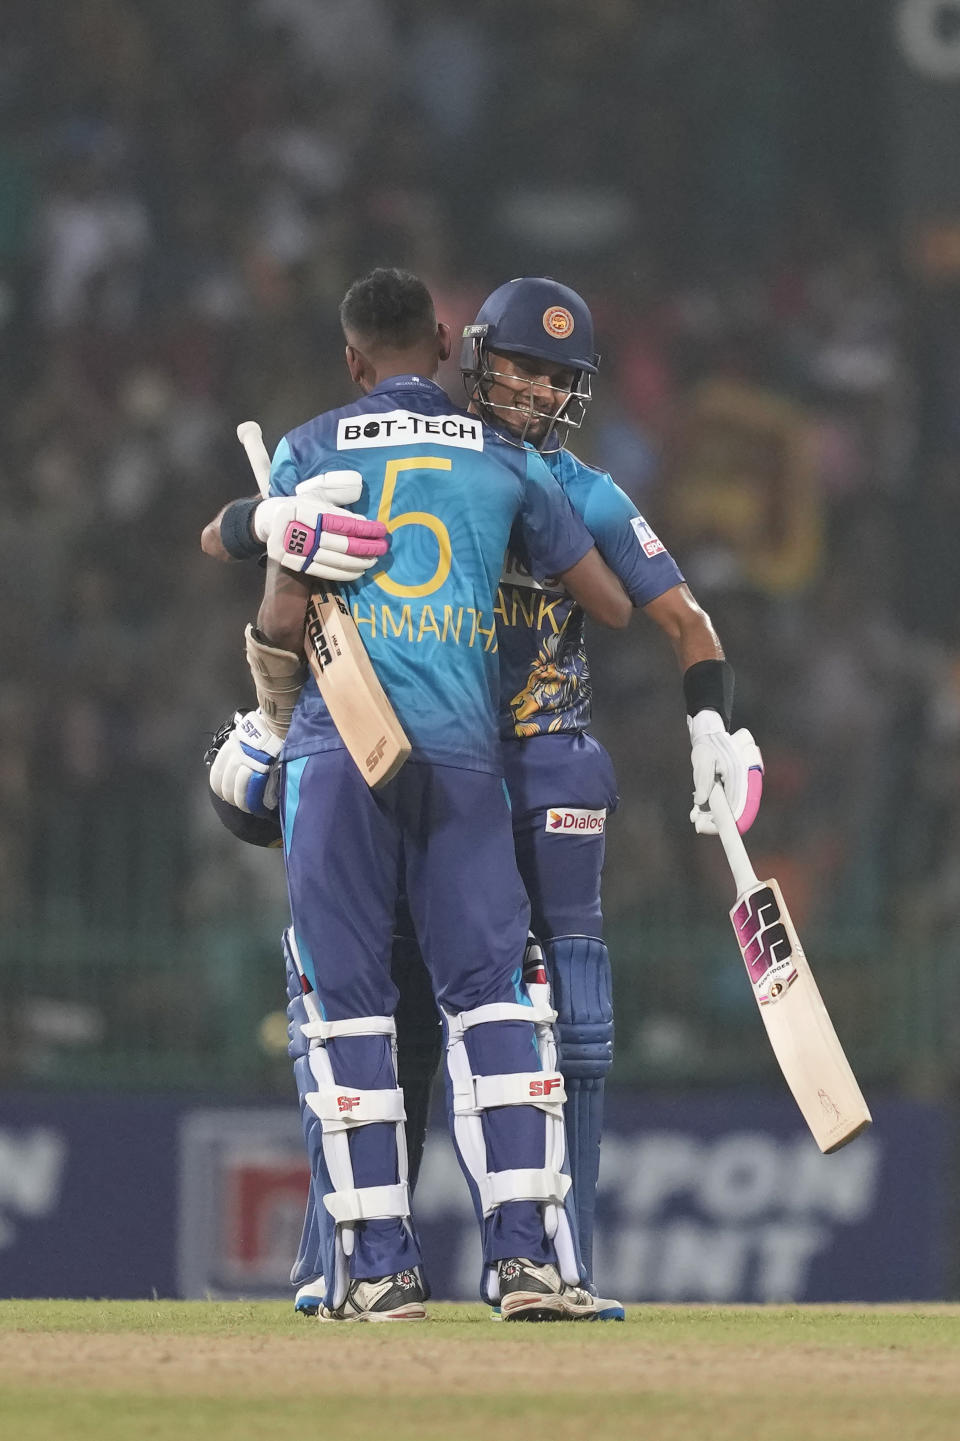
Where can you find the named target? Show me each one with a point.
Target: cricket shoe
(529, 1292)
(604, 1310)
(398, 1297)
(309, 1297)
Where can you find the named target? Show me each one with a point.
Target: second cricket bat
(351, 689)
(800, 1030)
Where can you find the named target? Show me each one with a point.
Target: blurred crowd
(186, 191)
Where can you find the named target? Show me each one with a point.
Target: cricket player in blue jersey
(452, 492)
(527, 363)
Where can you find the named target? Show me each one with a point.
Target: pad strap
(534, 1014)
(502, 1186)
(544, 1089)
(278, 676)
(341, 1108)
(321, 1030)
(368, 1203)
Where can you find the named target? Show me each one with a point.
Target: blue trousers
(443, 837)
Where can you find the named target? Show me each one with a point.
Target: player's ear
(443, 340)
(358, 366)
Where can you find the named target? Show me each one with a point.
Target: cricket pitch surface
(249, 1371)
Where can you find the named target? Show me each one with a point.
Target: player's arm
(282, 617)
(230, 534)
(655, 585)
(715, 754)
(558, 543)
(594, 586)
(244, 772)
(309, 531)
(686, 625)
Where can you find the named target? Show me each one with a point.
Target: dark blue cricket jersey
(545, 678)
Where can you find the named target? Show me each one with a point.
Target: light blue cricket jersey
(449, 489)
(545, 675)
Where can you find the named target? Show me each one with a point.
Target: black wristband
(708, 685)
(236, 531)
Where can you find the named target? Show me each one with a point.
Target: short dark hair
(389, 307)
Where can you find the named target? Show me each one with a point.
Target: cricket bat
(345, 677)
(800, 1030)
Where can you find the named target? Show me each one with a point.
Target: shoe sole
(413, 1311)
(534, 1306)
(606, 1313)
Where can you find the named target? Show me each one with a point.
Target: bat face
(324, 644)
(351, 690)
(767, 949)
(796, 1020)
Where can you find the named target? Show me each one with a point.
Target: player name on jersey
(516, 573)
(403, 427)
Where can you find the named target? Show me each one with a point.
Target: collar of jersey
(406, 382)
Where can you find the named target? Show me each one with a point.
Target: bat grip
(250, 437)
(744, 876)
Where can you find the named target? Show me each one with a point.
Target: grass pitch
(118, 1370)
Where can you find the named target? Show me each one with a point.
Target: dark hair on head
(389, 308)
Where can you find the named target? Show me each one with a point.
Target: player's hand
(245, 771)
(311, 533)
(733, 760)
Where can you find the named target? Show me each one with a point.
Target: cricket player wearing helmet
(528, 362)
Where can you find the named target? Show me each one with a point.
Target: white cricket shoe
(399, 1297)
(607, 1309)
(309, 1297)
(529, 1292)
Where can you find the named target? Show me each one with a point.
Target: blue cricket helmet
(534, 315)
(537, 317)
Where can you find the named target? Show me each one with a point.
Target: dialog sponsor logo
(403, 427)
(567, 821)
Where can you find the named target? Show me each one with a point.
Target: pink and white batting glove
(733, 760)
(311, 533)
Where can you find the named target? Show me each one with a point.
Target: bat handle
(744, 876)
(250, 437)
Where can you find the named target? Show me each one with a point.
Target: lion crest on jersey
(556, 696)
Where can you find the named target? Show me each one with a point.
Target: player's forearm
(594, 586)
(230, 535)
(686, 625)
(283, 610)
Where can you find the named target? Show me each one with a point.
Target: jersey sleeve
(284, 476)
(627, 543)
(554, 535)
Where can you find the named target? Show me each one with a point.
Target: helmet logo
(558, 322)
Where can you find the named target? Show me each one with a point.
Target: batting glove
(733, 760)
(245, 772)
(311, 533)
